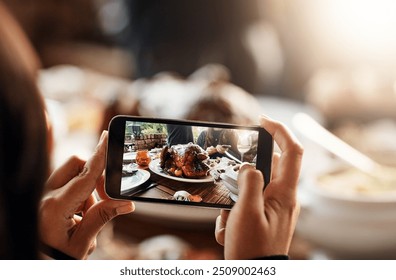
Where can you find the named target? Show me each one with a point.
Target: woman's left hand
(70, 215)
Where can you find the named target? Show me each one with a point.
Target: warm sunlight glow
(357, 28)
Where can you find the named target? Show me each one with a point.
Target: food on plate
(184, 160)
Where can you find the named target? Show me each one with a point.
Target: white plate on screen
(156, 168)
(130, 182)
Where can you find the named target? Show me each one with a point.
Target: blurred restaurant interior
(334, 60)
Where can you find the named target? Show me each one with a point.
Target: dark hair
(24, 162)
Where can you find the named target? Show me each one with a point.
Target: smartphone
(167, 160)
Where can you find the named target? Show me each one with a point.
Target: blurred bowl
(358, 223)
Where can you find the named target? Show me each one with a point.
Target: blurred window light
(357, 28)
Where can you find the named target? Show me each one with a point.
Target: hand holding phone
(179, 160)
(255, 228)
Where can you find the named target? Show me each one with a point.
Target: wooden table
(210, 192)
(131, 230)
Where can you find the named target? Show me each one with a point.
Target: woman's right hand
(262, 223)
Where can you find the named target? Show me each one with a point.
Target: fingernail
(101, 139)
(102, 136)
(125, 209)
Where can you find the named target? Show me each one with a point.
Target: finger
(61, 176)
(98, 215)
(275, 165)
(221, 223)
(100, 188)
(291, 152)
(250, 184)
(220, 231)
(87, 204)
(82, 186)
(224, 215)
(281, 134)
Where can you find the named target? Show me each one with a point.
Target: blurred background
(228, 60)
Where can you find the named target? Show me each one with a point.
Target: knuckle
(84, 171)
(298, 149)
(290, 208)
(47, 203)
(105, 215)
(74, 160)
(275, 204)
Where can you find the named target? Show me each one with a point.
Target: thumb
(251, 185)
(220, 228)
(101, 213)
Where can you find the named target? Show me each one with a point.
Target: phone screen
(182, 162)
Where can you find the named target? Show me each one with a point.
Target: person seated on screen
(179, 134)
(218, 141)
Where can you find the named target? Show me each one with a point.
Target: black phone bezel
(115, 149)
